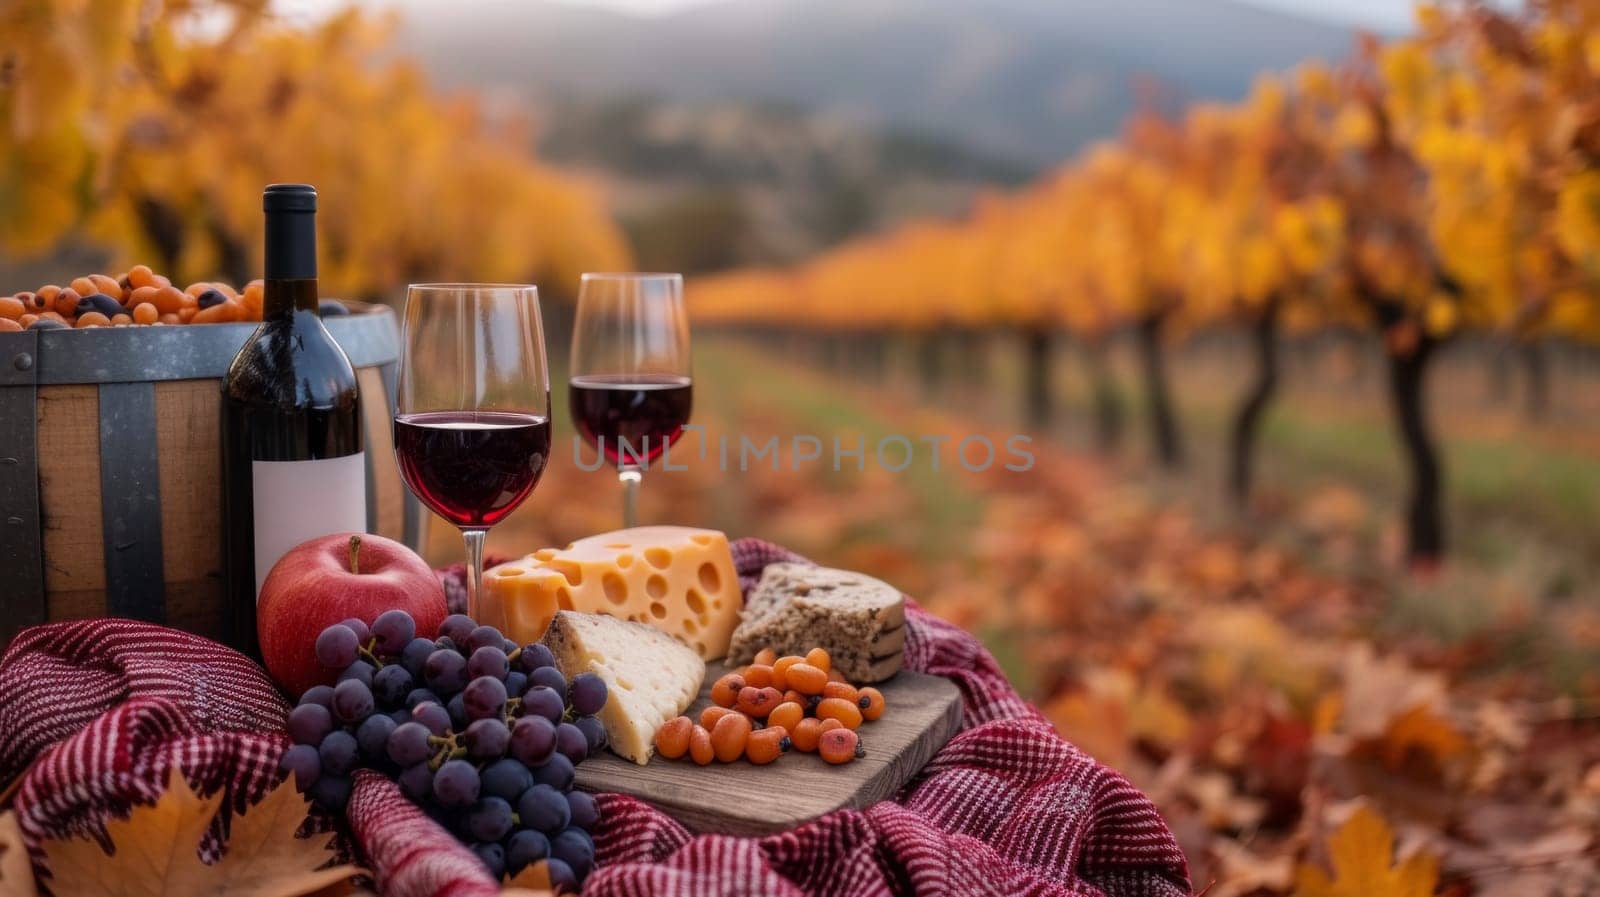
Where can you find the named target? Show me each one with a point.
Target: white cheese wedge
(651, 676)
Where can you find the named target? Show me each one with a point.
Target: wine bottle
(293, 467)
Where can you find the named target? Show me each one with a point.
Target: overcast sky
(1387, 15)
(1384, 15)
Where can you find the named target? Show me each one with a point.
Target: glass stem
(630, 477)
(474, 539)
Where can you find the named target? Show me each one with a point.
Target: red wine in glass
(631, 417)
(472, 467)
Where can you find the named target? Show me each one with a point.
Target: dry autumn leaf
(16, 873)
(155, 852)
(1362, 854)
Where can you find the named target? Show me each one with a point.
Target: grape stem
(366, 652)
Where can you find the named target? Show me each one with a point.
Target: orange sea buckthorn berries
(221, 313)
(725, 691)
(872, 703)
(145, 313)
(700, 749)
(83, 286)
(788, 715)
(806, 679)
(672, 739)
(729, 735)
(710, 715)
(27, 320)
(766, 745)
(765, 657)
(848, 714)
(12, 307)
(830, 724)
(805, 734)
(794, 697)
(165, 301)
(840, 746)
(758, 674)
(841, 690)
(836, 676)
(141, 276)
(171, 318)
(93, 319)
(65, 303)
(9, 326)
(46, 297)
(780, 670)
(758, 702)
(818, 657)
(107, 285)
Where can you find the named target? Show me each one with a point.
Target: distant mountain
(1028, 80)
(703, 185)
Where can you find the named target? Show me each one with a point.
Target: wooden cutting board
(743, 799)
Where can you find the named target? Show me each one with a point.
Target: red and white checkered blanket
(94, 714)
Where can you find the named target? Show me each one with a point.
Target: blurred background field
(1072, 221)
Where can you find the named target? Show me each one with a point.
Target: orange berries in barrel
(66, 302)
(12, 307)
(145, 313)
(672, 739)
(700, 750)
(872, 703)
(93, 319)
(840, 746)
(729, 735)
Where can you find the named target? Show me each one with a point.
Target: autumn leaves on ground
(1271, 683)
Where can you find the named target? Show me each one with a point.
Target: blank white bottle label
(300, 500)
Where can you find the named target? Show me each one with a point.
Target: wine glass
(472, 418)
(631, 390)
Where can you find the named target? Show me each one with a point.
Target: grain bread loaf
(650, 676)
(797, 607)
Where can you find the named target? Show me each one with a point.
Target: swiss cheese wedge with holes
(678, 579)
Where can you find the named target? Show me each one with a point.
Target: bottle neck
(291, 264)
(282, 298)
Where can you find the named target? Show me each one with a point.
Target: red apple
(333, 578)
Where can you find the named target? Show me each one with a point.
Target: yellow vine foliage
(1450, 179)
(170, 116)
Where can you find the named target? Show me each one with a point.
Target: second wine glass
(631, 388)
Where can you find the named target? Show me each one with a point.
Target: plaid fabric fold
(97, 712)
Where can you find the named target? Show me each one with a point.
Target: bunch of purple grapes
(483, 735)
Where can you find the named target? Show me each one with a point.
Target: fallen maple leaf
(1362, 854)
(156, 852)
(16, 872)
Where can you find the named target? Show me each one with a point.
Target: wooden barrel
(111, 466)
